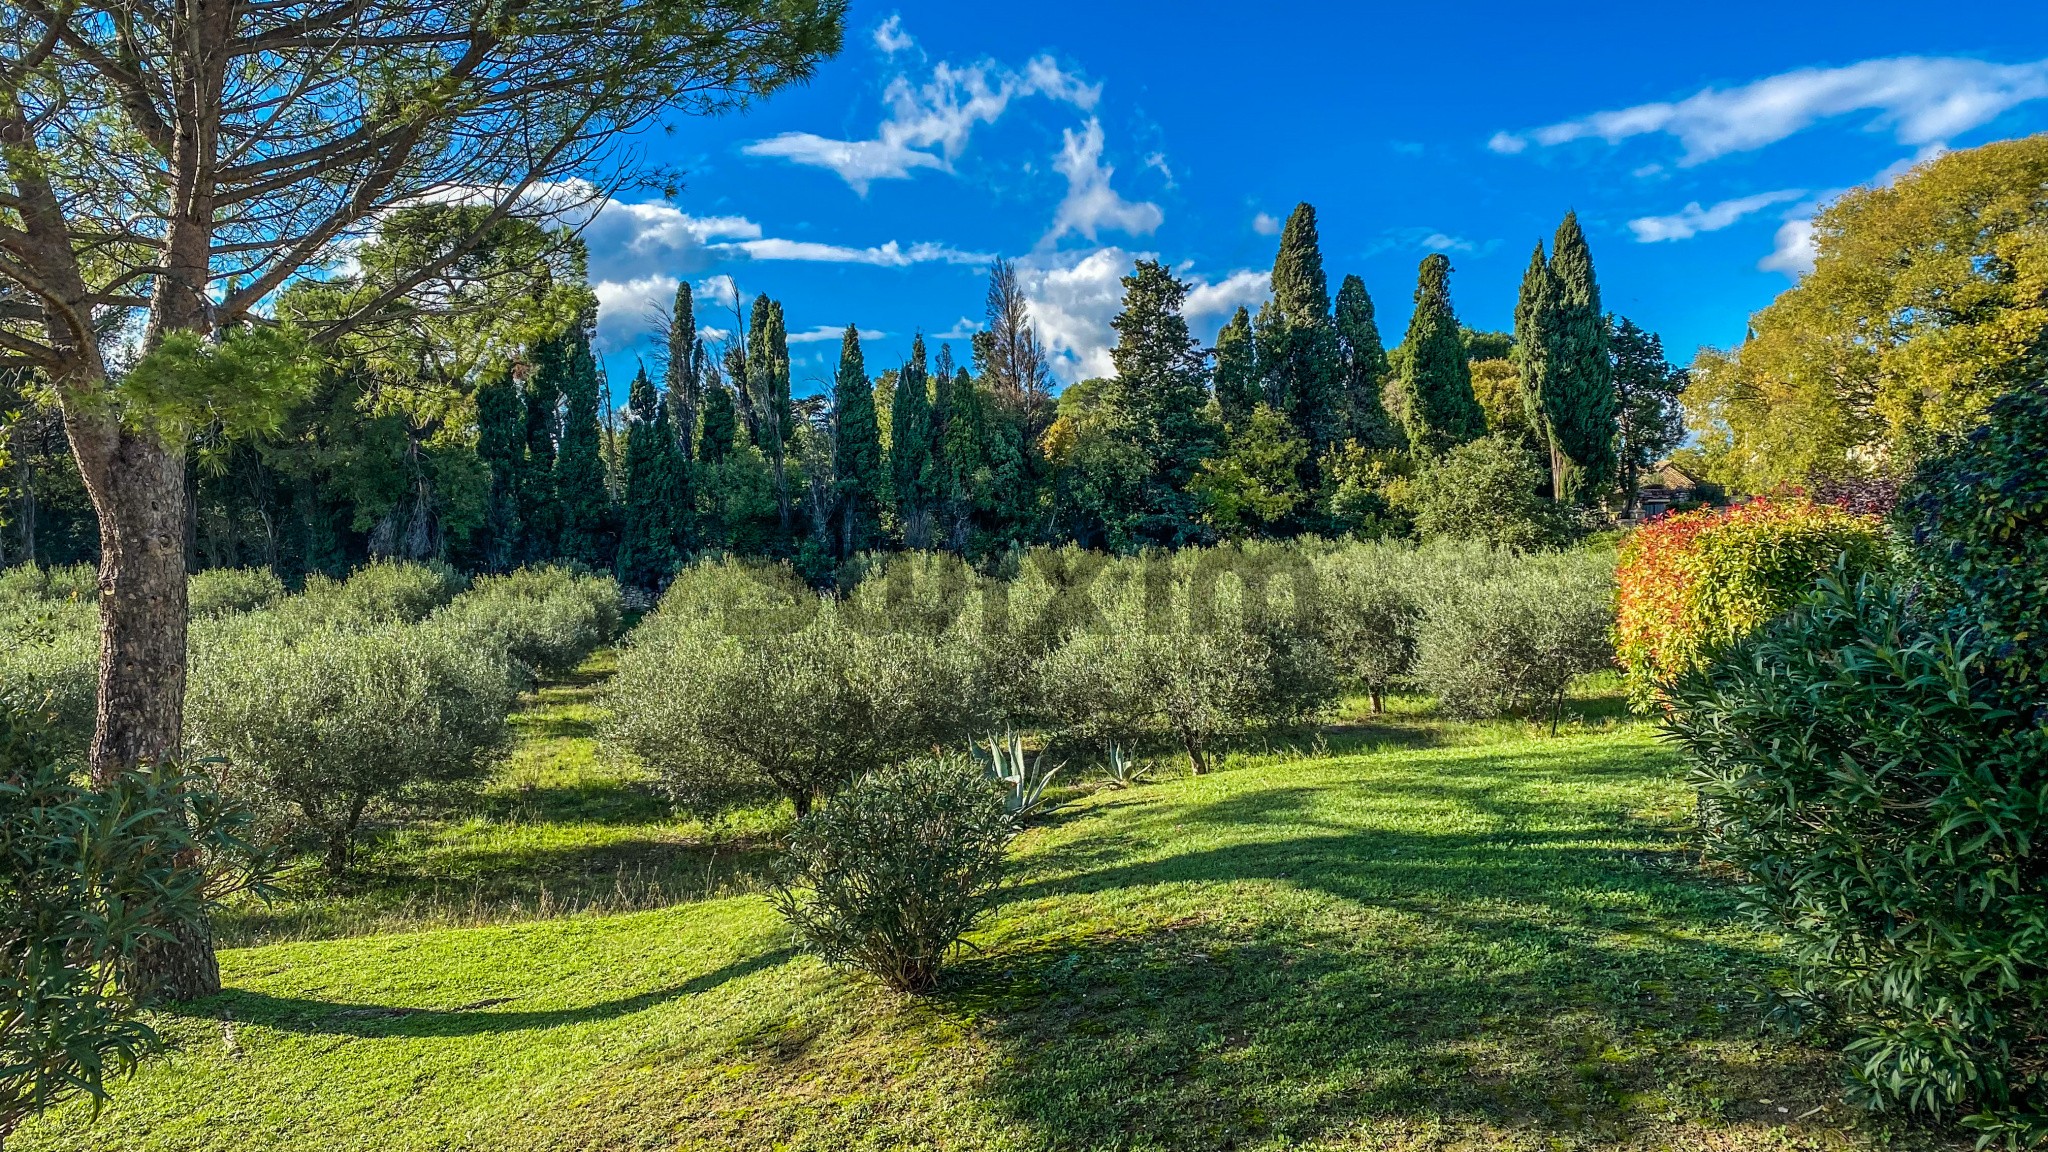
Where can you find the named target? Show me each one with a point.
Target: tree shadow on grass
(324, 1018)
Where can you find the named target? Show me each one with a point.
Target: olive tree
(168, 169)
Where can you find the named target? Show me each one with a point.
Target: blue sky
(1694, 141)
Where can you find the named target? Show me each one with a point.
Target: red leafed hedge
(1693, 582)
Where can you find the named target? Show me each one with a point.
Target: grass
(558, 829)
(1412, 934)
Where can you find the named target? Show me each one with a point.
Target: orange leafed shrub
(1692, 582)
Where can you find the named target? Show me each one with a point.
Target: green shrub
(91, 875)
(1979, 517)
(315, 724)
(49, 664)
(1857, 763)
(386, 592)
(1191, 652)
(1371, 607)
(1487, 490)
(228, 591)
(720, 716)
(33, 582)
(545, 621)
(892, 872)
(1514, 641)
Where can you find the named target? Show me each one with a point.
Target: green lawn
(1414, 934)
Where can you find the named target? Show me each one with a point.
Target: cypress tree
(1534, 306)
(856, 448)
(1158, 398)
(580, 492)
(1436, 382)
(501, 445)
(720, 422)
(963, 458)
(1237, 380)
(1308, 360)
(653, 496)
(540, 515)
(910, 448)
(1578, 397)
(683, 391)
(1365, 368)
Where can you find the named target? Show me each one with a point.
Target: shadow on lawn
(1521, 977)
(322, 1018)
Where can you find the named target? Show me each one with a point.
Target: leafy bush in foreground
(1371, 607)
(1695, 582)
(1979, 516)
(1486, 490)
(1856, 761)
(315, 724)
(91, 875)
(894, 870)
(229, 591)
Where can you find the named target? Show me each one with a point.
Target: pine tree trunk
(137, 485)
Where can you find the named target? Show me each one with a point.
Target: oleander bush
(314, 724)
(1860, 765)
(92, 874)
(889, 874)
(1692, 583)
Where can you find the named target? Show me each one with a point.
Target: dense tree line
(485, 438)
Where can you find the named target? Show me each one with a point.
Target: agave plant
(1024, 780)
(1123, 771)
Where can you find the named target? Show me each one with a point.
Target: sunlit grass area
(1401, 932)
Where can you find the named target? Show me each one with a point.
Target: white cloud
(711, 335)
(891, 38)
(962, 329)
(1157, 163)
(889, 255)
(1266, 224)
(721, 290)
(824, 332)
(627, 310)
(1444, 242)
(1092, 205)
(1919, 99)
(1792, 253)
(1692, 219)
(929, 125)
(1075, 295)
(1245, 288)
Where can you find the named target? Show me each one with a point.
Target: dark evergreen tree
(1437, 405)
(501, 445)
(1649, 422)
(1307, 360)
(720, 421)
(1578, 397)
(652, 513)
(910, 448)
(1237, 371)
(683, 392)
(580, 490)
(1535, 305)
(1158, 399)
(857, 449)
(1365, 369)
(540, 514)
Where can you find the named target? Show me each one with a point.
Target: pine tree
(910, 448)
(1365, 369)
(1578, 400)
(1158, 398)
(540, 514)
(653, 497)
(501, 445)
(1237, 380)
(1436, 382)
(857, 448)
(1308, 359)
(580, 491)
